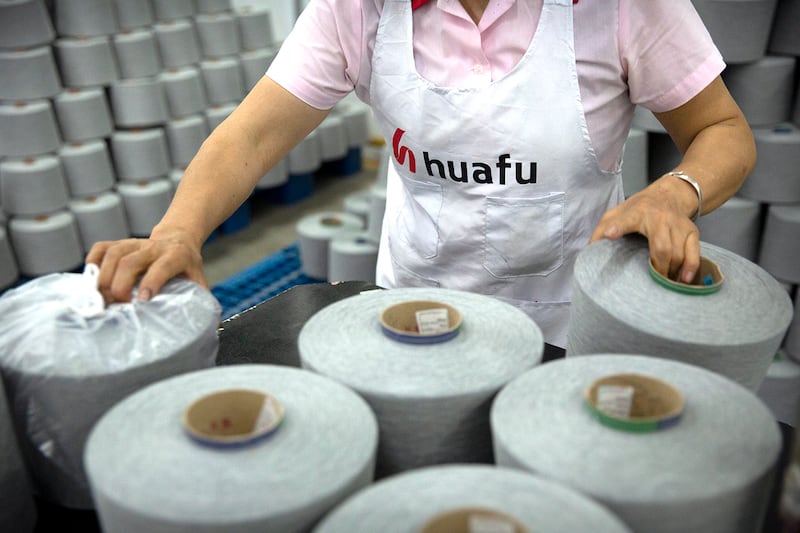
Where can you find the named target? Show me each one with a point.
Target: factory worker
(506, 121)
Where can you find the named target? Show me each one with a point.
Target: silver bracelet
(691, 181)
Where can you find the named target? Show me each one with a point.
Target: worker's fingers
(175, 260)
(691, 258)
(616, 222)
(107, 256)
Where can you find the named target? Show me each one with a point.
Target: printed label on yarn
(615, 400)
(432, 321)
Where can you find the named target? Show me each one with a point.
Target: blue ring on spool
(419, 339)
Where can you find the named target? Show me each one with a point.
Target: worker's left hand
(659, 213)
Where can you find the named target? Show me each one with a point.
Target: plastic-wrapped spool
(25, 24)
(739, 28)
(734, 331)
(83, 18)
(377, 206)
(28, 128)
(139, 102)
(781, 389)
(222, 79)
(217, 113)
(132, 14)
(780, 243)
(185, 135)
(278, 175)
(100, 218)
(213, 6)
(87, 168)
(140, 154)
(306, 157)
(148, 475)
(662, 154)
(644, 119)
(218, 34)
(763, 89)
(137, 53)
(439, 499)
(173, 9)
(46, 244)
(784, 37)
(177, 43)
(33, 186)
(634, 162)
(735, 226)
(791, 344)
(352, 257)
(184, 90)
(35, 74)
(9, 273)
(774, 178)
(709, 472)
(254, 65)
(255, 28)
(332, 138)
(83, 114)
(145, 203)
(18, 512)
(66, 345)
(86, 61)
(315, 232)
(432, 401)
(356, 122)
(358, 203)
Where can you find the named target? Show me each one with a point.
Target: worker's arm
(718, 152)
(268, 123)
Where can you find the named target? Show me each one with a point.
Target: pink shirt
(656, 53)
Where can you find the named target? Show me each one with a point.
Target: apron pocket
(524, 236)
(418, 220)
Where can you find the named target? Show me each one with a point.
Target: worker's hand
(156, 260)
(659, 212)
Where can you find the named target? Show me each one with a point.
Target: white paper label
(489, 524)
(266, 418)
(615, 400)
(432, 321)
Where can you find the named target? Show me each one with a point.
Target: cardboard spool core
(331, 222)
(707, 280)
(655, 404)
(399, 322)
(232, 417)
(473, 520)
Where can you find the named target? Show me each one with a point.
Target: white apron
(492, 189)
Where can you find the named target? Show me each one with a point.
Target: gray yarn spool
(140, 154)
(28, 128)
(218, 33)
(796, 115)
(792, 342)
(352, 257)
(216, 114)
(9, 273)
(100, 218)
(148, 475)
(763, 89)
(141, 102)
(254, 64)
(780, 390)
(177, 43)
(34, 186)
(173, 9)
(175, 177)
(306, 157)
(407, 502)
(87, 168)
(46, 244)
(634, 163)
(432, 401)
(278, 175)
(735, 226)
(18, 512)
(710, 473)
(332, 138)
(213, 6)
(784, 37)
(315, 232)
(132, 14)
(222, 79)
(358, 204)
(137, 54)
(86, 61)
(184, 90)
(774, 178)
(618, 308)
(25, 24)
(780, 243)
(145, 203)
(184, 136)
(662, 154)
(84, 18)
(61, 380)
(356, 122)
(255, 28)
(377, 207)
(35, 74)
(83, 114)
(644, 119)
(739, 28)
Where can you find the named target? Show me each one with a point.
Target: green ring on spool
(686, 288)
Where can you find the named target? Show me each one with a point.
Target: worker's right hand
(155, 260)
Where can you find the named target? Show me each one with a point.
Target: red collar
(419, 3)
